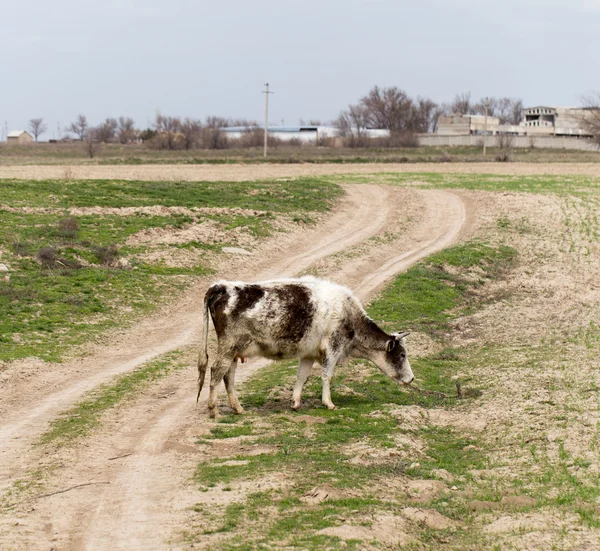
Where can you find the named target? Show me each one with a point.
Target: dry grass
(241, 172)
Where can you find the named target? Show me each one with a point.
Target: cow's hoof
(239, 410)
(330, 406)
(213, 413)
(296, 407)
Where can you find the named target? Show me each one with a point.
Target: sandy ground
(260, 171)
(139, 501)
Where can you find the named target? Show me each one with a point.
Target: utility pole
(266, 93)
(487, 102)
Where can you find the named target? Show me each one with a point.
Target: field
(492, 267)
(74, 154)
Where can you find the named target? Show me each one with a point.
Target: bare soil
(140, 499)
(243, 172)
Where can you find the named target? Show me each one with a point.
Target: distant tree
(591, 120)
(352, 124)
(508, 110)
(91, 143)
(515, 112)
(148, 134)
(107, 131)
(168, 132)
(37, 127)
(213, 136)
(192, 132)
(461, 103)
(424, 115)
(80, 126)
(388, 108)
(441, 110)
(220, 122)
(126, 131)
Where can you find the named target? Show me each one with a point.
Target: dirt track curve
(143, 497)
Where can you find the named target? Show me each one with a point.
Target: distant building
(19, 137)
(459, 124)
(555, 121)
(305, 134)
(536, 121)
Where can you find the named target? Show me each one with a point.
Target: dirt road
(140, 500)
(267, 171)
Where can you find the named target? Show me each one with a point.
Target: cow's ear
(389, 346)
(400, 336)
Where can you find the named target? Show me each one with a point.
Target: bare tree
(461, 103)
(91, 144)
(388, 108)
(213, 136)
(37, 127)
(508, 110)
(126, 132)
(441, 110)
(80, 126)
(591, 120)
(168, 132)
(107, 131)
(352, 124)
(424, 115)
(192, 131)
(515, 113)
(505, 146)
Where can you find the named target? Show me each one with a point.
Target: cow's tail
(203, 357)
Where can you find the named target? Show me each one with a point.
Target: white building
(306, 134)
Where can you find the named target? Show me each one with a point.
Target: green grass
(309, 194)
(428, 295)
(82, 418)
(81, 291)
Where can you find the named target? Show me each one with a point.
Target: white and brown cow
(307, 318)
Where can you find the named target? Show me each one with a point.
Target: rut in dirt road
(149, 490)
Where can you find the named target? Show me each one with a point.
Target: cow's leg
(218, 370)
(229, 379)
(328, 364)
(303, 373)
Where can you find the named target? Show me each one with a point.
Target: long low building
(304, 133)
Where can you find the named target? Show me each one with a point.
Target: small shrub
(504, 157)
(68, 228)
(107, 255)
(48, 257)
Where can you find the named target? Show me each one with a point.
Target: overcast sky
(198, 58)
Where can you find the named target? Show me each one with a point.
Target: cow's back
(284, 318)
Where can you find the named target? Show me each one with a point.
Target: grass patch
(308, 194)
(429, 295)
(85, 415)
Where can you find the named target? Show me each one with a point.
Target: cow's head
(396, 358)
